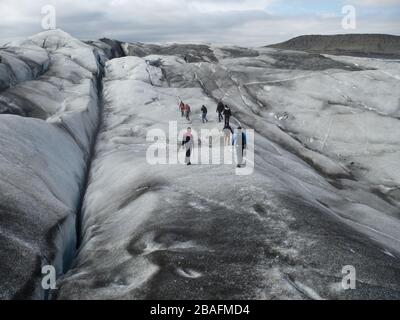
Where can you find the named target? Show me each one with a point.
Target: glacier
(48, 123)
(78, 192)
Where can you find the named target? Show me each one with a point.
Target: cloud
(243, 22)
(375, 3)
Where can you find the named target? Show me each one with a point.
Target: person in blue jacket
(239, 141)
(204, 113)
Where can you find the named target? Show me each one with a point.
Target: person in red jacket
(188, 111)
(182, 108)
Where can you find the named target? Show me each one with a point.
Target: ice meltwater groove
(45, 151)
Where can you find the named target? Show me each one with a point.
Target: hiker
(204, 112)
(188, 144)
(182, 108)
(227, 115)
(239, 141)
(186, 59)
(227, 135)
(220, 109)
(188, 111)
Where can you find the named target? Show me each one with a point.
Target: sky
(239, 22)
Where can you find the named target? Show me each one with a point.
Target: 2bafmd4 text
(205, 310)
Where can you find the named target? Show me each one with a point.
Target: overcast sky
(243, 22)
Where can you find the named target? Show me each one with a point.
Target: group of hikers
(186, 110)
(238, 140)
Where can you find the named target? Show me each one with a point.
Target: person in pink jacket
(188, 144)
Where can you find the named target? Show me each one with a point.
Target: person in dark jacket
(188, 144)
(204, 112)
(220, 110)
(227, 115)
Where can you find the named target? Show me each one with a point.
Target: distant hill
(374, 45)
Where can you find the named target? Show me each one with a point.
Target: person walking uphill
(188, 111)
(220, 109)
(188, 144)
(182, 108)
(204, 112)
(239, 141)
(227, 115)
